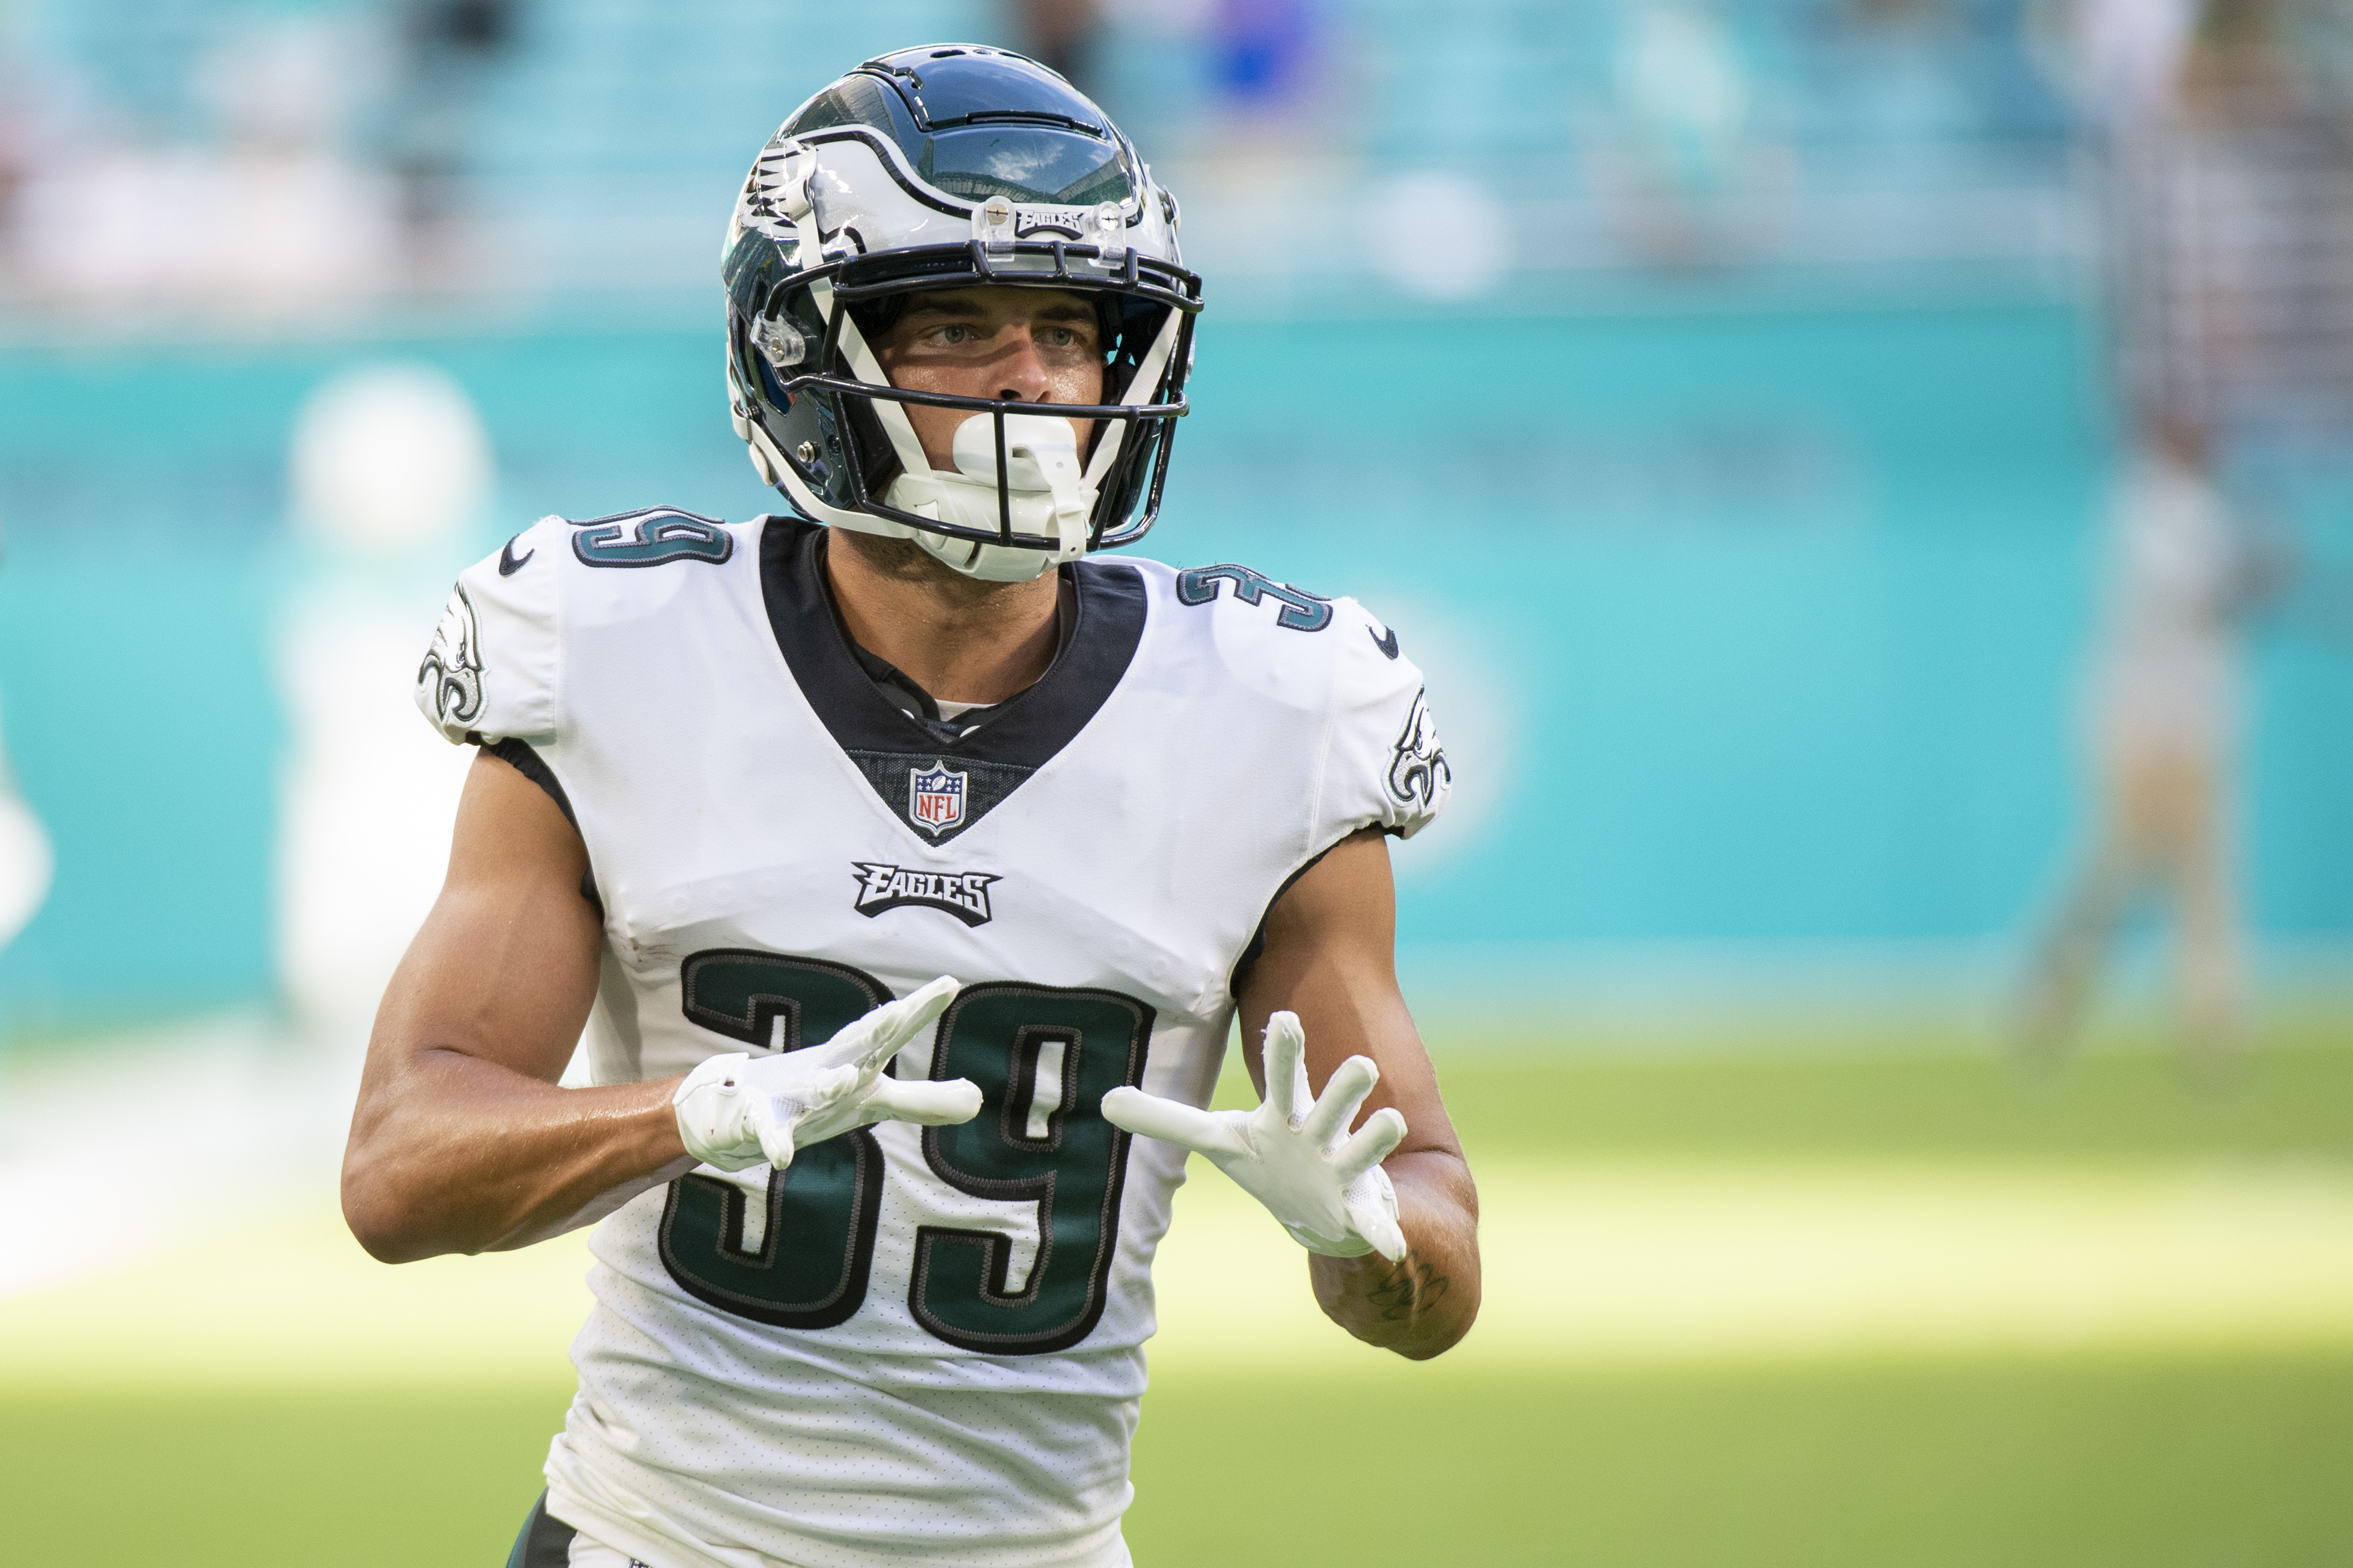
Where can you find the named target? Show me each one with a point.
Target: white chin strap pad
(1041, 455)
(1045, 489)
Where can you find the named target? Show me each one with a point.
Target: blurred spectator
(297, 219)
(1908, 97)
(448, 48)
(272, 216)
(16, 136)
(1678, 155)
(2162, 722)
(389, 472)
(2228, 172)
(321, 159)
(26, 862)
(1060, 35)
(1897, 12)
(2231, 283)
(1259, 134)
(1266, 51)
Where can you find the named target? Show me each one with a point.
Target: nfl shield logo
(934, 799)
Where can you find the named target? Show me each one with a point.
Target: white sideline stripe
(1587, 1264)
(1597, 1263)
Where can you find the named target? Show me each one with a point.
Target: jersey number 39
(1044, 1057)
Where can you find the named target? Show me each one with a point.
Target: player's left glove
(1295, 1154)
(737, 1110)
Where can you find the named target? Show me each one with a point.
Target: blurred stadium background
(1722, 401)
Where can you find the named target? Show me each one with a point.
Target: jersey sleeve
(1385, 766)
(491, 673)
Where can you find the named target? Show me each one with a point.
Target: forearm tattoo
(1410, 1289)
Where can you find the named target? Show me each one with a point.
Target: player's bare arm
(1329, 941)
(462, 1138)
(1388, 1213)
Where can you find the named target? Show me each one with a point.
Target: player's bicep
(505, 966)
(1329, 956)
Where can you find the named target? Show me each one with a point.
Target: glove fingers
(1343, 1094)
(886, 1031)
(1286, 1066)
(1172, 1121)
(1370, 1145)
(927, 1103)
(916, 1010)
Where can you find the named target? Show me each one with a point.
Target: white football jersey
(915, 1344)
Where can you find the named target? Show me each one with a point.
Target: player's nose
(1022, 376)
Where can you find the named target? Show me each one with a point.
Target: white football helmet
(950, 167)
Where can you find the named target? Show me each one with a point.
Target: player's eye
(952, 334)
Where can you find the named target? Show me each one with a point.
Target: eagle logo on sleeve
(453, 665)
(1418, 772)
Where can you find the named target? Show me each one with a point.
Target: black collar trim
(1023, 732)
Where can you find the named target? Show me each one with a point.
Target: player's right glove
(737, 1110)
(1295, 1154)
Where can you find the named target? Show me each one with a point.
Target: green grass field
(2084, 1464)
(2207, 1454)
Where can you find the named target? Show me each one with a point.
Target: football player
(908, 863)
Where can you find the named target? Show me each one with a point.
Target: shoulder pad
(1385, 766)
(491, 670)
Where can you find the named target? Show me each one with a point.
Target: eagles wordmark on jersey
(949, 1319)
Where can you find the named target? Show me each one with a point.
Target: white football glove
(1295, 1154)
(737, 1110)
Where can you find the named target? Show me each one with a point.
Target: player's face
(1028, 345)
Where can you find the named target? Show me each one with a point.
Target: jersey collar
(1023, 733)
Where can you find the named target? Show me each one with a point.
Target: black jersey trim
(1025, 732)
